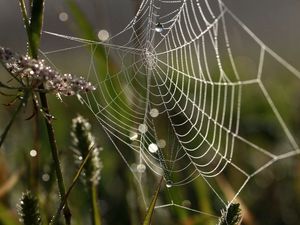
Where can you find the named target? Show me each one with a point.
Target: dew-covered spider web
(177, 101)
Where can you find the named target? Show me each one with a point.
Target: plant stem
(95, 215)
(24, 15)
(55, 157)
(65, 197)
(34, 28)
(3, 136)
(148, 217)
(37, 146)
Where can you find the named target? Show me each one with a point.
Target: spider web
(173, 94)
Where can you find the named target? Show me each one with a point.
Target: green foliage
(29, 210)
(231, 216)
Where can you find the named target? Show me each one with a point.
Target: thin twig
(4, 94)
(7, 128)
(2, 85)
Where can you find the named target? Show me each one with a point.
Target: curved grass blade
(104, 64)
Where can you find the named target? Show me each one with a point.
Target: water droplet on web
(154, 112)
(153, 148)
(159, 28)
(45, 177)
(33, 153)
(186, 203)
(103, 35)
(143, 128)
(133, 136)
(141, 168)
(63, 16)
(161, 143)
(169, 184)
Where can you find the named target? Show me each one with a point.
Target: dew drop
(33, 153)
(153, 148)
(63, 16)
(80, 158)
(141, 168)
(103, 35)
(169, 184)
(161, 143)
(143, 128)
(154, 112)
(45, 177)
(186, 203)
(133, 136)
(159, 28)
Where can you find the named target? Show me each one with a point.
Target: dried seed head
(231, 216)
(37, 72)
(29, 210)
(83, 142)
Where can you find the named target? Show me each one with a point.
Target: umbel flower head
(37, 73)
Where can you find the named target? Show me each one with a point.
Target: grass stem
(34, 29)
(65, 197)
(7, 128)
(95, 214)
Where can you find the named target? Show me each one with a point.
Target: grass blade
(10, 123)
(74, 181)
(148, 217)
(104, 64)
(88, 32)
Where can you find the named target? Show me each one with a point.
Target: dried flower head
(83, 141)
(36, 72)
(231, 216)
(29, 210)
